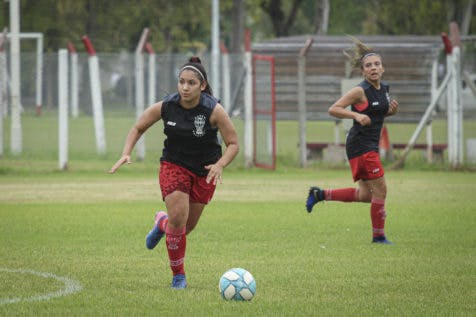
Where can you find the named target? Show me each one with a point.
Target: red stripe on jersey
(361, 106)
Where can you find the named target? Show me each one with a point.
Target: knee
(177, 209)
(177, 219)
(380, 192)
(364, 196)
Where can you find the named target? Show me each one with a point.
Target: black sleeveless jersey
(363, 139)
(191, 141)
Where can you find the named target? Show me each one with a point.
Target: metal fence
(323, 81)
(116, 78)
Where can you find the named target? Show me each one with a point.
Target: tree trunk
(322, 16)
(467, 18)
(237, 36)
(281, 24)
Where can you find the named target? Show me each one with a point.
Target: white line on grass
(70, 287)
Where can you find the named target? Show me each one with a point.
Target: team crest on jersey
(199, 123)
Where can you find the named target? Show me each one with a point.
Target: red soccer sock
(377, 215)
(176, 242)
(342, 194)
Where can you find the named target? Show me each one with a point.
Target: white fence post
(450, 106)
(429, 130)
(3, 86)
(39, 73)
(139, 89)
(226, 78)
(151, 73)
(63, 109)
(454, 104)
(74, 80)
(458, 108)
(302, 100)
(16, 128)
(248, 100)
(95, 82)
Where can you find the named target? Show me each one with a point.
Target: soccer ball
(237, 284)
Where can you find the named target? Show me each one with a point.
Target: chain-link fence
(117, 79)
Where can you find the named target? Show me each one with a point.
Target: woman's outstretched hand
(124, 159)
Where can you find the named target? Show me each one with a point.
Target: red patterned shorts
(366, 166)
(173, 177)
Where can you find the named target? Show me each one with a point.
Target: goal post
(264, 112)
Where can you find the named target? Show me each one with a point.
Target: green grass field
(87, 226)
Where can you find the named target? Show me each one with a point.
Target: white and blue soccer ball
(237, 284)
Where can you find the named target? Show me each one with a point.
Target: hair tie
(194, 68)
(367, 55)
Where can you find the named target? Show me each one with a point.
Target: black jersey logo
(199, 123)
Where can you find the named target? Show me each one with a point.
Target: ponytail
(359, 52)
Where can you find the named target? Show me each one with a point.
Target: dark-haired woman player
(192, 161)
(370, 104)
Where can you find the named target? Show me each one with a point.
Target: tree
(423, 17)
(466, 16)
(281, 23)
(238, 25)
(113, 25)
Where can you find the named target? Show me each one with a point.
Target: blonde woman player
(370, 103)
